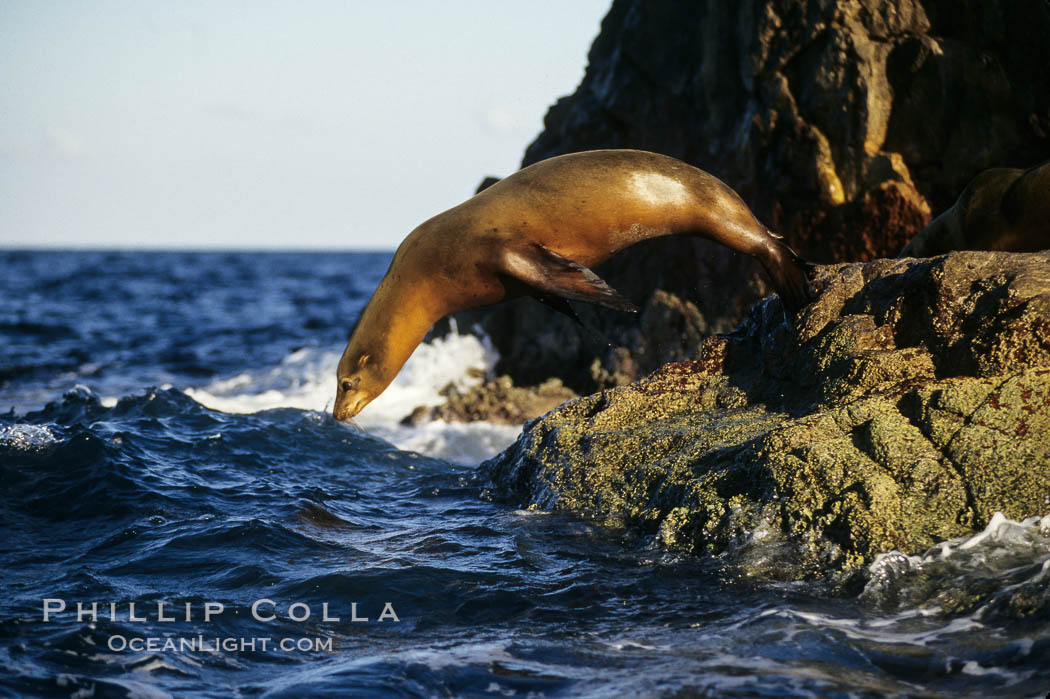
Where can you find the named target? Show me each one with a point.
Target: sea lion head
(355, 385)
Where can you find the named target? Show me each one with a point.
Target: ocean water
(180, 516)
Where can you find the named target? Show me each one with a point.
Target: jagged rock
(908, 404)
(498, 401)
(843, 123)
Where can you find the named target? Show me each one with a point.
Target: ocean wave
(305, 379)
(78, 457)
(23, 437)
(1001, 572)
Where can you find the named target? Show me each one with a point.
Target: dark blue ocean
(181, 516)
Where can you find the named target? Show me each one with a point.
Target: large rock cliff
(905, 407)
(843, 123)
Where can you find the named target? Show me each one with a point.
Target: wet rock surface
(905, 407)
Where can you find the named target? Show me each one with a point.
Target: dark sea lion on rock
(1004, 209)
(538, 232)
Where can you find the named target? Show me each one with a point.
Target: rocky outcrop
(497, 400)
(843, 123)
(906, 406)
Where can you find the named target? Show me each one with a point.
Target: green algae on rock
(908, 404)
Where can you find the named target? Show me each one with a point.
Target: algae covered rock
(905, 406)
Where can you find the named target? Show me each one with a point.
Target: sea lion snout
(348, 405)
(350, 395)
(349, 399)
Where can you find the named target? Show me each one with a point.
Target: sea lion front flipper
(549, 273)
(559, 304)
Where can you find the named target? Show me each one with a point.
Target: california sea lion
(537, 232)
(1000, 209)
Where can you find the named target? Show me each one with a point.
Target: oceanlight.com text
(229, 644)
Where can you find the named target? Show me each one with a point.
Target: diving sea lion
(537, 232)
(1000, 209)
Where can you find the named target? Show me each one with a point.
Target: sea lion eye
(348, 385)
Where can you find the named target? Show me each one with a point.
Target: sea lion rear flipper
(550, 273)
(790, 274)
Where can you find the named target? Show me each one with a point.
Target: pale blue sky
(268, 124)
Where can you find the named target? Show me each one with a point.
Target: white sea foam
(1000, 535)
(305, 379)
(1015, 551)
(25, 437)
